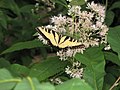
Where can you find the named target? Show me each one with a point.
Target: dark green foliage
(23, 45)
(47, 68)
(25, 63)
(74, 84)
(95, 65)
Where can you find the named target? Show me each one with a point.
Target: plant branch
(115, 84)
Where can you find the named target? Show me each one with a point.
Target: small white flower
(104, 30)
(62, 55)
(62, 30)
(75, 71)
(51, 27)
(100, 10)
(74, 10)
(87, 24)
(98, 24)
(107, 47)
(69, 0)
(69, 6)
(42, 39)
(37, 4)
(58, 20)
(69, 52)
(76, 64)
(56, 81)
(86, 15)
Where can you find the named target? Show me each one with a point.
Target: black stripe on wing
(48, 31)
(67, 37)
(39, 31)
(53, 32)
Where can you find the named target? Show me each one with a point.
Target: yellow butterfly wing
(62, 39)
(58, 40)
(49, 35)
(68, 43)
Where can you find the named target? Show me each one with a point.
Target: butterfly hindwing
(69, 43)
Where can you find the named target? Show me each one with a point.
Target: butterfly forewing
(48, 35)
(56, 38)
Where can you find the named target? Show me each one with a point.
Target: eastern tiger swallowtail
(58, 40)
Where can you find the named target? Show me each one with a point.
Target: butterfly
(58, 40)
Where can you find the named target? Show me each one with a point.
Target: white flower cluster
(98, 9)
(75, 71)
(64, 55)
(48, 3)
(56, 81)
(87, 26)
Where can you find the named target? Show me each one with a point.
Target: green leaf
(109, 17)
(28, 84)
(112, 57)
(10, 4)
(94, 72)
(114, 70)
(43, 52)
(4, 63)
(19, 70)
(115, 5)
(1, 36)
(46, 86)
(61, 2)
(112, 73)
(24, 45)
(7, 82)
(114, 39)
(33, 84)
(3, 20)
(108, 82)
(47, 68)
(26, 60)
(27, 8)
(77, 2)
(74, 84)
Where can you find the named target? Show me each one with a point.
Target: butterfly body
(58, 40)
